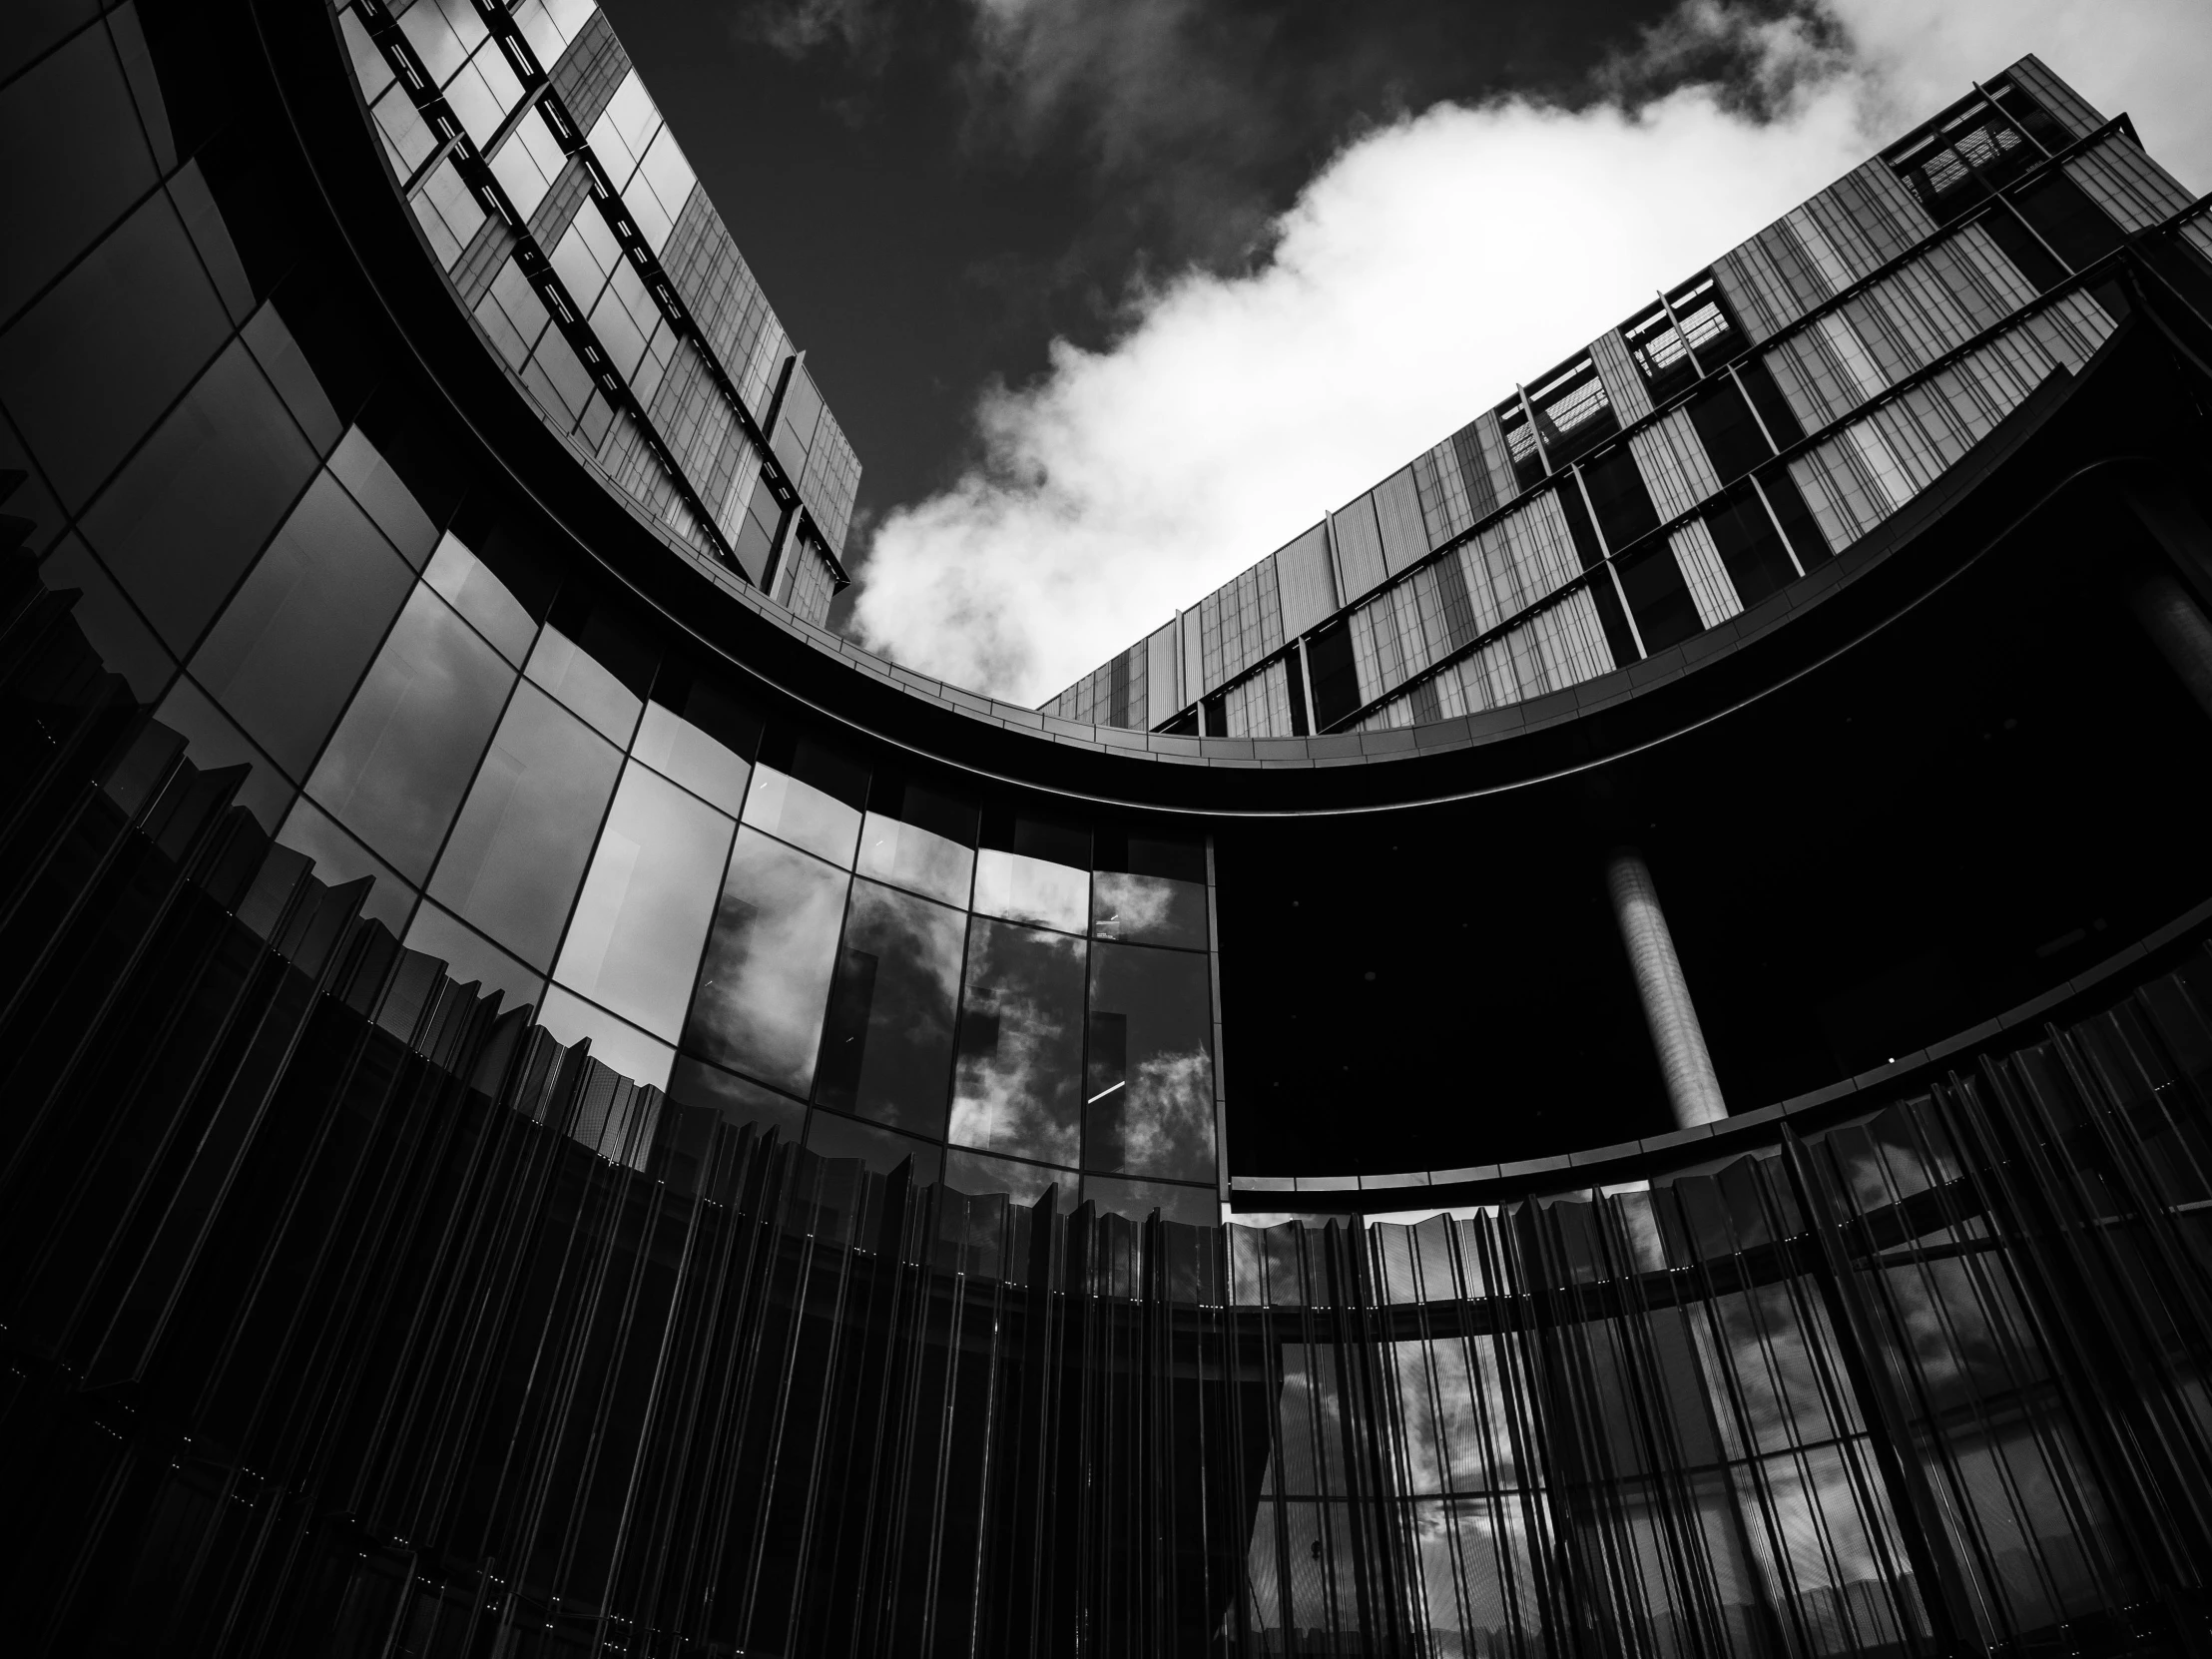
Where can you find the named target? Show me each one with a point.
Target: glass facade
(1843, 360)
(554, 1362)
(559, 202)
(548, 1105)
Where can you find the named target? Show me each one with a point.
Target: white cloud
(1428, 267)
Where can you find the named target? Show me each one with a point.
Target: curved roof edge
(875, 698)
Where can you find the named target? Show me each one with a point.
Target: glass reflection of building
(548, 1103)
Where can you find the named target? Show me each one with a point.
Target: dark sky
(930, 201)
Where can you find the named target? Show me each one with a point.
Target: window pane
(642, 917)
(977, 1175)
(340, 859)
(1021, 1044)
(212, 741)
(471, 589)
(116, 631)
(673, 746)
(1022, 888)
(89, 368)
(189, 512)
(519, 847)
(402, 757)
(911, 857)
(1197, 1205)
(887, 1049)
(880, 1149)
(470, 957)
(1148, 1081)
(584, 684)
(379, 488)
(765, 980)
(802, 814)
(1148, 909)
(736, 1099)
(619, 1046)
(285, 655)
(72, 112)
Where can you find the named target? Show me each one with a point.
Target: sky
(1114, 297)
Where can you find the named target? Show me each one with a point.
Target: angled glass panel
(1148, 909)
(470, 957)
(920, 860)
(286, 651)
(340, 859)
(1195, 1205)
(584, 684)
(1019, 887)
(887, 1052)
(677, 748)
(1017, 1088)
(641, 919)
(400, 760)
(978, 1174)
(519, 847)
(469, 586)
(882, 1150)
(619, 1046)
(765, 983)
(91, 367)
(187, 512)
(737, 1100)
(802, 814)
(1148, 1084)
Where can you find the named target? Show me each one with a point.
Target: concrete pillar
(2177, 626)
(1692, 1089)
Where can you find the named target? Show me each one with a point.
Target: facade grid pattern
(1894, 294)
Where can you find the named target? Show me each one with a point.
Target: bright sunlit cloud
(1428, 267)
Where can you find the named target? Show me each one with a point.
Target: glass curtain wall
(539, 1360)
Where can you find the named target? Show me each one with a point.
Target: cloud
(1424, 269)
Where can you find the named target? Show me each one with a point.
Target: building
(1607, 1054)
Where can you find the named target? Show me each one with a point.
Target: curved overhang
(2068, 428)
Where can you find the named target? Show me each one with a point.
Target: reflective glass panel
(72, 112)
(735, 1099)
(802, 814)
(583, 683)
(212, 741)
(615, 1044)
(1148, 1077)
(285, 655)
(116, 631)
(471, 589)
(109, 346)
(766, 979)
(881, 1149)
(886, 1051)
(1198, 1206)
(1148, 909)
(1021, 1044)
(402, 756)
(470, 956)
(974, 1173)
(340, 859)
(384, 493)
(642, 917)
(519, 847)
(1021, 888)
(674, 747)
(911, 857)
(187, 512)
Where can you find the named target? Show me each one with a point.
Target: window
(1572, 412)
(1659, 354)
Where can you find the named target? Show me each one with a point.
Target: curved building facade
(1607, 1054)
